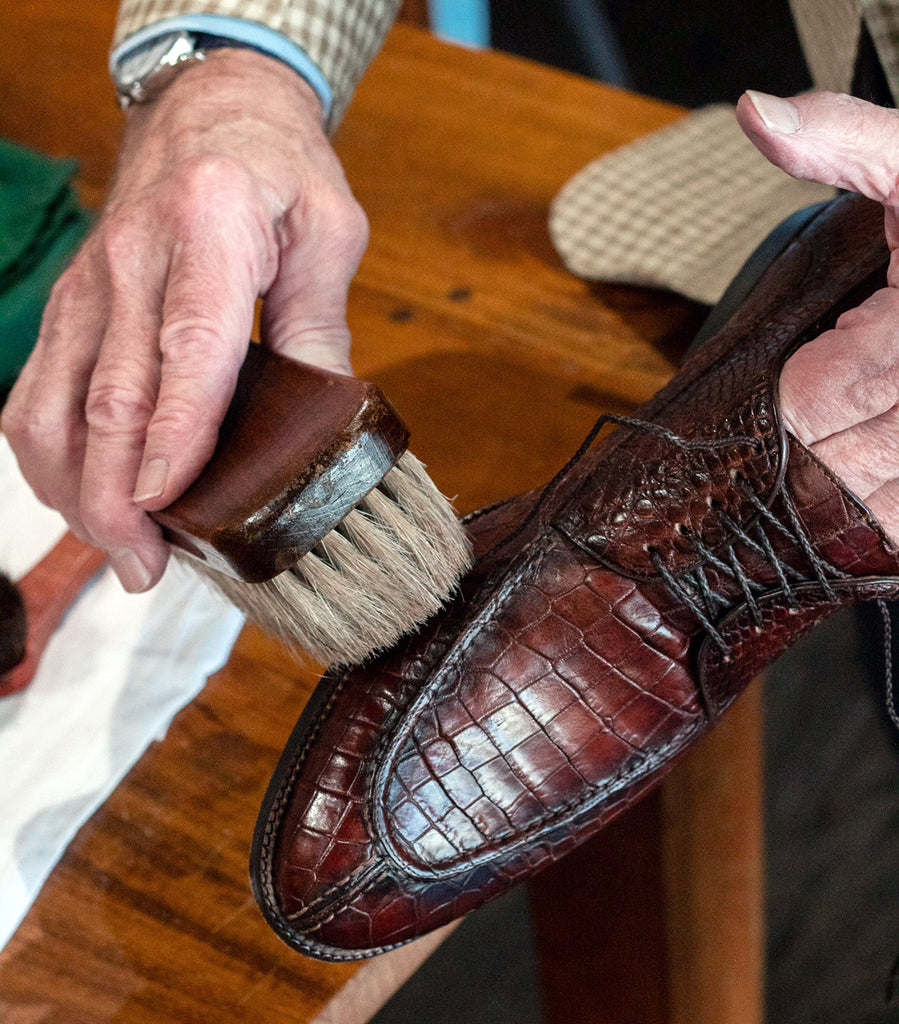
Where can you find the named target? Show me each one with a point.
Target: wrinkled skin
(228, 190)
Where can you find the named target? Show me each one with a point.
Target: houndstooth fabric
(679, 209)
(684, 207)
(340, 36)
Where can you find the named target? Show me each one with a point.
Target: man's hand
(227, 189)
(840, 392)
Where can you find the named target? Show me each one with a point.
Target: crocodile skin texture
(607, 622)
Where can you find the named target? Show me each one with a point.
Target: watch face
(165, 51)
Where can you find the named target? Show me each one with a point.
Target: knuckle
(32, 428)
(121, 239)
(12, 419)
(207, 172)
(70, 292)
(98, 519)
(185, 418)
(192, 341)
(109, 517)
(334, 219)
(349, 226)
(204, 183)
(117, 408)
(102, 524)
(68, 288)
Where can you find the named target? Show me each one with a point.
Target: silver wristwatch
(144, 72)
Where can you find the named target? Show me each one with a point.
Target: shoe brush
(314, 519)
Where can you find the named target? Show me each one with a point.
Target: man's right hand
(227, 190)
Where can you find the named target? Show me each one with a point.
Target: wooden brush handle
(48, 590)
(298, 449)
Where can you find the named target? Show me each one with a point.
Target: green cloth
(41, 226)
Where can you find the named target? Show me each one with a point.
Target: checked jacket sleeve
(339, 36)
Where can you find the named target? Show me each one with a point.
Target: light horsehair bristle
(388, 566)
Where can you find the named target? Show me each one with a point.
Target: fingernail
(778, 114)
(151, 480)
(131, 571)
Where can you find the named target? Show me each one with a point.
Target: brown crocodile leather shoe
(608, 622)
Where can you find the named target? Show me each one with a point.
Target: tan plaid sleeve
(830, 31)
(340, 36)
(882, 19)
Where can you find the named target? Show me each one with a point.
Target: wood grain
(55, 94)
(712, 850)
(498, 359)
(600, 927)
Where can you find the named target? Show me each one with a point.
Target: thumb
(310, 327)
(304, 312)
(829, 138)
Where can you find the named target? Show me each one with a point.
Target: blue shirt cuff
(252, 33)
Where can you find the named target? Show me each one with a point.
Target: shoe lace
(694, 589)
(891, 701)
(696, 592)
(705, 602)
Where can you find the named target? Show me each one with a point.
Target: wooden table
(499, 360)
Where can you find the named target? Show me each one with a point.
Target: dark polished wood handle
(299, 447)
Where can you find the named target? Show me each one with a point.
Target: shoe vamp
(575, 685)
(321, 817)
